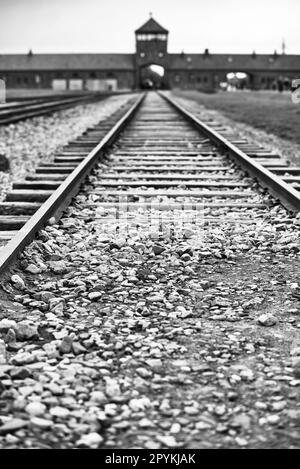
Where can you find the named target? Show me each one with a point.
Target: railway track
(167, 165)
(139, 316)
(15, 112)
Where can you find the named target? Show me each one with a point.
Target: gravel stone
(3, 354)
(35, 408)
(10, 337)
(33, 269)
(58, 267)
(25, 330)
(20, 373)
(98, 397)
(18, 282)
(168, 441)
(43, 424)
(112, 388)
(267, 320)
(158, 249)
(94, 295)
(66, 345)
(92, 440)
(59, 412)
(12, 426)
(6, 324)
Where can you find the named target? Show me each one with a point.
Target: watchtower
(151, 46)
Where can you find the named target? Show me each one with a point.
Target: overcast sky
(236, 26)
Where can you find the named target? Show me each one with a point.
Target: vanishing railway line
(166, 160)
(158, 305)
(17, 111)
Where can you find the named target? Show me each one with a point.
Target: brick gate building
(111, 72)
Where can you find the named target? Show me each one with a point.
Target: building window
(263, 80)
(151, 37)
(205, 79)
(199, 79)
(93, 75)
(177, 78)
(37, 79)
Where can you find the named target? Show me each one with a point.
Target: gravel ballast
(114, 343)
(148, 338)
(288, 150)
(28, 143)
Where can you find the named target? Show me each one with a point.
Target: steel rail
(19, 102)
(279, 189)
(10, 115)
(62, 196)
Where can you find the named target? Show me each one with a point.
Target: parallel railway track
(15, 112)
(166, 163)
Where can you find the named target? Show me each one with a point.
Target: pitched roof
(66, 62)
(151, 27)
(234, 62)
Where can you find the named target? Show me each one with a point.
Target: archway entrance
(152, 76)
(238, 81)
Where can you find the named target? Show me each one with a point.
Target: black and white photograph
(149, 227)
